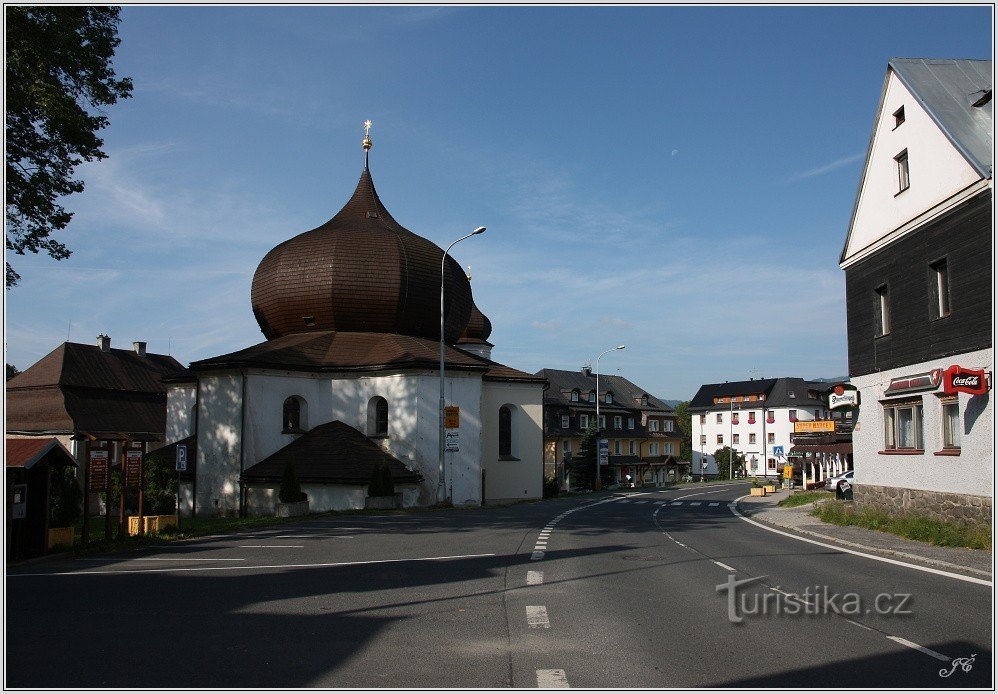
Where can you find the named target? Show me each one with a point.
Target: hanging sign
(843, 396)
(957, 379)
(98, 470)
(811, 427)
(929, 380)
(133, 468)
(452, 417)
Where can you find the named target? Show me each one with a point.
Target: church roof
(334, 351)
(359, 272)
(331, 453)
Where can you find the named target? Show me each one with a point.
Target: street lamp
(599, 436)
(443, 260)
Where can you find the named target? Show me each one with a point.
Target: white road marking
(676, 503)
(311, 537)
(714, 503)
(536, 556)
(923, 649)
(271, 546)
(960, 577)
(537, 617)
(552, 679)
(163, 559)
(861, 626)
(252, 568)
(695, 503)
(535, 578)
(725, 566)
(680, 544)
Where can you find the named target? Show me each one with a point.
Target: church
(349, 375)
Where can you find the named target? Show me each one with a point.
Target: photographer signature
(965, 664)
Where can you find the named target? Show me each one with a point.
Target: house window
(751, 417)
(293, 415)
(668, 424)
(630, 422)
(377, 416)
(566, 421)
(903, 425)
(734, 439)
(592, 396)
(751, 438)
(644, 400)
(602, 422)
(618, 422)
(652, 425)
(720, 439)
(793, 415)
(791, 394)
(575, 396)
(734, 418)
(653, 449)
(703, 419)
(703, 439)
(939, 288)
(817, 414)
(616, 447)
(951, 424)
(630, 447)
(668, 449)
(583, 421)
(770, 417)
(720, 418)
(899, 117)
(770, 437)
(566, 448)
(903, 180)
(883, 317)
(609, 398)
(505, 432)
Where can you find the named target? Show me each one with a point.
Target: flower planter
(152, 524)
(770, 488)
(384, 502)
(758, 491)
(295, 508)
(60, 536)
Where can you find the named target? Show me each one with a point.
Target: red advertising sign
(957, 379)
(133, 468)
(98, 470)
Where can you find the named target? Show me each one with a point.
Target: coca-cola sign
(957, 379)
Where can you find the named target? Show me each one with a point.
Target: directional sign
(98, 470)
(133, 468)
(181, 457)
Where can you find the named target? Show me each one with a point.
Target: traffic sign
(604, 452)
(181, 457)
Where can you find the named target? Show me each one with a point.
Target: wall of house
(218, 443)
(513, 479)
(970, 473)
(938, 172)
(261, 499)
(180, 399)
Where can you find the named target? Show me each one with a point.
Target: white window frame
(950, 434)
(566, 421)
(940, 288)
(904, 172)
(894, 415)
(630, 422)
(583, 421)
(630, 447)
(883, 308)
(652, 425)
(669, 425)
(618, 422)
(653, 448)
(575, 396)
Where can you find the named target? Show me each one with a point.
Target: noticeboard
(98, 471)
(133, 468)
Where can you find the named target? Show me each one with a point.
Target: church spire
(366, 143)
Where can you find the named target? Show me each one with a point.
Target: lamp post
(443, 261)
(599, 436)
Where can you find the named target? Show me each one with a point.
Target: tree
(290, 491)
(722, 456)
(684, 419)
(59, 76)
(12, 371)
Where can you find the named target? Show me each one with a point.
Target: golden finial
(367, 136)
(469, 273)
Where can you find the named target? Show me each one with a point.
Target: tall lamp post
(599, 435)
(443, 261)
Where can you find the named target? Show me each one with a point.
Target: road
(618, 591)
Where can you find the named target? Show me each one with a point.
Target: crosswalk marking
(552, 679)
(535, 578)
(537, 617)
(714, 503)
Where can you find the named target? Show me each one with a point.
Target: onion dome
(479, 326)
(360, 272)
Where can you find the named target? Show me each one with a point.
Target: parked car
(836, 483)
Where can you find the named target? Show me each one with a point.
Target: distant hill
(672, 403)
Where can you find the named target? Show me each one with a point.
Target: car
(835, 483)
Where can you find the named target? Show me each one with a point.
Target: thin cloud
(821, 170)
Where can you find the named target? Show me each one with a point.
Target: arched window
(505, 431)
(575, 396)
(377, 416)
(609, 398)
(592, 396)
(294, 415)
(644, 400)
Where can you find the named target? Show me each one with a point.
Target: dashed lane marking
(552, 679)
(695, 503)
(537, 617)
(535, 578)
(725, 566)
(923, 649)
(676, 503)
(161, 559)
(271, 546)
(714, 503)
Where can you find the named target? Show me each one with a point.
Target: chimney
(104, 342)
(140, 348)
(587, 370)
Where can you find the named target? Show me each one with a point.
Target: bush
(551, 488)
(159, 496)
(290, 491)
(382, 483)
(66, 498)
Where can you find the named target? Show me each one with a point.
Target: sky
(676, 179)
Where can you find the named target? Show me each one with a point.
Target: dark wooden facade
(963, 238)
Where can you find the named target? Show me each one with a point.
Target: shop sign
(843, 396)
(818, 425)
(957, 379)
(929, 380)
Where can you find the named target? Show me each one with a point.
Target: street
(613, 591)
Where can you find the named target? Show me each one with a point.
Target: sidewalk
(798, 520)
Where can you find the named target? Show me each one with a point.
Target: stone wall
(965, 508)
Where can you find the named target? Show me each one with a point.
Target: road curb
(856, 545)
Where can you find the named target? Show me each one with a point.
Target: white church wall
(180, 399)
(513, 479)
(261, 500)
(219, 428)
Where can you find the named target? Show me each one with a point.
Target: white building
(756, 418)
(918, 260)
(349, 376)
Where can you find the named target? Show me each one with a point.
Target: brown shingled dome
(360, 272)
(479, 326)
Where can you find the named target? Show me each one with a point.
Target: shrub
(66, 498)
(290, 491)
(551, 488)
(382, 483)
(160, 493)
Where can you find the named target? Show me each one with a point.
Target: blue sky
(675, 179)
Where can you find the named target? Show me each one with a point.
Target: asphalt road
(614, 592)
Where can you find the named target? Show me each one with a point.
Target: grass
(911, 526)
(802, 498)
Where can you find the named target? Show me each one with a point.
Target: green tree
(724, 462)
(12, 371)
(684, 419)
(65, 497)
(59, 77)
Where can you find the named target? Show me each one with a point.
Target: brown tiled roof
(331, 453)
(26, 452)
(355, 351)
(479, 326)
(360, 271)
(79, 388)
